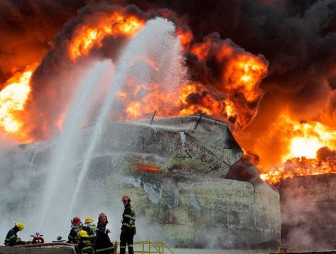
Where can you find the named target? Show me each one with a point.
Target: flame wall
(297, 38)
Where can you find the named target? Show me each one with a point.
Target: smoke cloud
(27, 29)
(297, 39)
(306, 207)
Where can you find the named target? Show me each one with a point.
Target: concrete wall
(308, 212)
(210, 213)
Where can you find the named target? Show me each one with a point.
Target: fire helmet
(76, 221)
(102, 215)
(20, 226)
(88, 219)
(83, 233)
(126, 197)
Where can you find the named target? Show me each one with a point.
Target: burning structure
(176, 170)
(281, 110)
(222, 78)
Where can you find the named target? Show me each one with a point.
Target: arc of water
(136, 46)
(62, 152)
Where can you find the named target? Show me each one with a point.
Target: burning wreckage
(187, 182)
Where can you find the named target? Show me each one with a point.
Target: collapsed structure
(187, 181)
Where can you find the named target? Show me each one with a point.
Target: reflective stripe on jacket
(12, 238)
(103, 242)
(128, 217)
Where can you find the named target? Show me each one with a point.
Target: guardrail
(148, 247)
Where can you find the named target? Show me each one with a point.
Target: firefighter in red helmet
(128, 229)
(103, 243)
(76, 226)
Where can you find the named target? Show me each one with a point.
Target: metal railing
(148, 247)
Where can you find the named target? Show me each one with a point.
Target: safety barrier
(148, 247)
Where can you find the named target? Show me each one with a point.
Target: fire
(305, 147)
(12, 100)
(228, 90)
(179, 105)
(90, 35)
(244, 74)
(299, 167)
(307, 139)
(144, 167)
(185, 37)
(241, 74)
(231, 95)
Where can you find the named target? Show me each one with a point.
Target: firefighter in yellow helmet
(128, 229)
(85, 245)
(90, 227)
(12, 238)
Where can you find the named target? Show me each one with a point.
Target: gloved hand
(108, 231)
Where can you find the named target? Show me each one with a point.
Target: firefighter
(85, 245)
(90, 228)
(103, 243)
(128, 229)
(12, 238)
(76, 226)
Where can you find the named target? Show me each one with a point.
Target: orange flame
(305, 141)
(299, 167)
(144, 167)
(242, 72)
(185, 37)
(90, 35)
(12, 100)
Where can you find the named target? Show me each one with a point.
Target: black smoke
(297, 38)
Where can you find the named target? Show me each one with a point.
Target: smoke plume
(297, 39)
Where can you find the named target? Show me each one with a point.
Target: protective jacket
(128, 229)
(103, 242)
(12, 238)
(73, 236)
(85, 245)
(91, 229)
(128, 219)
